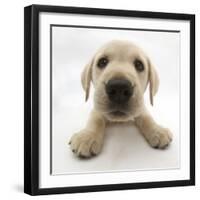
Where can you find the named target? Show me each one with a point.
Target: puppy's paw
(160, 138)
(86, 144)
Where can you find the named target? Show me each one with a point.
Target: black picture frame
(31, 98)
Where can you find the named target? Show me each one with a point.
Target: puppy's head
(120, 72)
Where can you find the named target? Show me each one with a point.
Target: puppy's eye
(139, 65)
(102, 62)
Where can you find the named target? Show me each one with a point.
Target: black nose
(119, 90)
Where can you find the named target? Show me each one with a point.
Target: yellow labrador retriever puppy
(120, 72)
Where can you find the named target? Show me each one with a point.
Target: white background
(11, 101)
(124, 148)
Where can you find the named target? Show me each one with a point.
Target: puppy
(120, 72)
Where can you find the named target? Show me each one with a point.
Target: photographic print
(113, 92)
(110, 61)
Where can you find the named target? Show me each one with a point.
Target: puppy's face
(120, 72)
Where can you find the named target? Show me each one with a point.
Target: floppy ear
(86, 78)
(153, 82)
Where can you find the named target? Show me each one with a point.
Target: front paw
(160, 138)
(86, 144)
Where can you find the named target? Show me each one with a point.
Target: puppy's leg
(156, 135)
(89, 141)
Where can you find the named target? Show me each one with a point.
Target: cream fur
(89, 141)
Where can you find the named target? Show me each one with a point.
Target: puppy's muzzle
(119, 91)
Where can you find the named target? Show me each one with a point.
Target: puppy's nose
(119, 90)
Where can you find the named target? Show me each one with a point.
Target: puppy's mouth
(118, 113)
